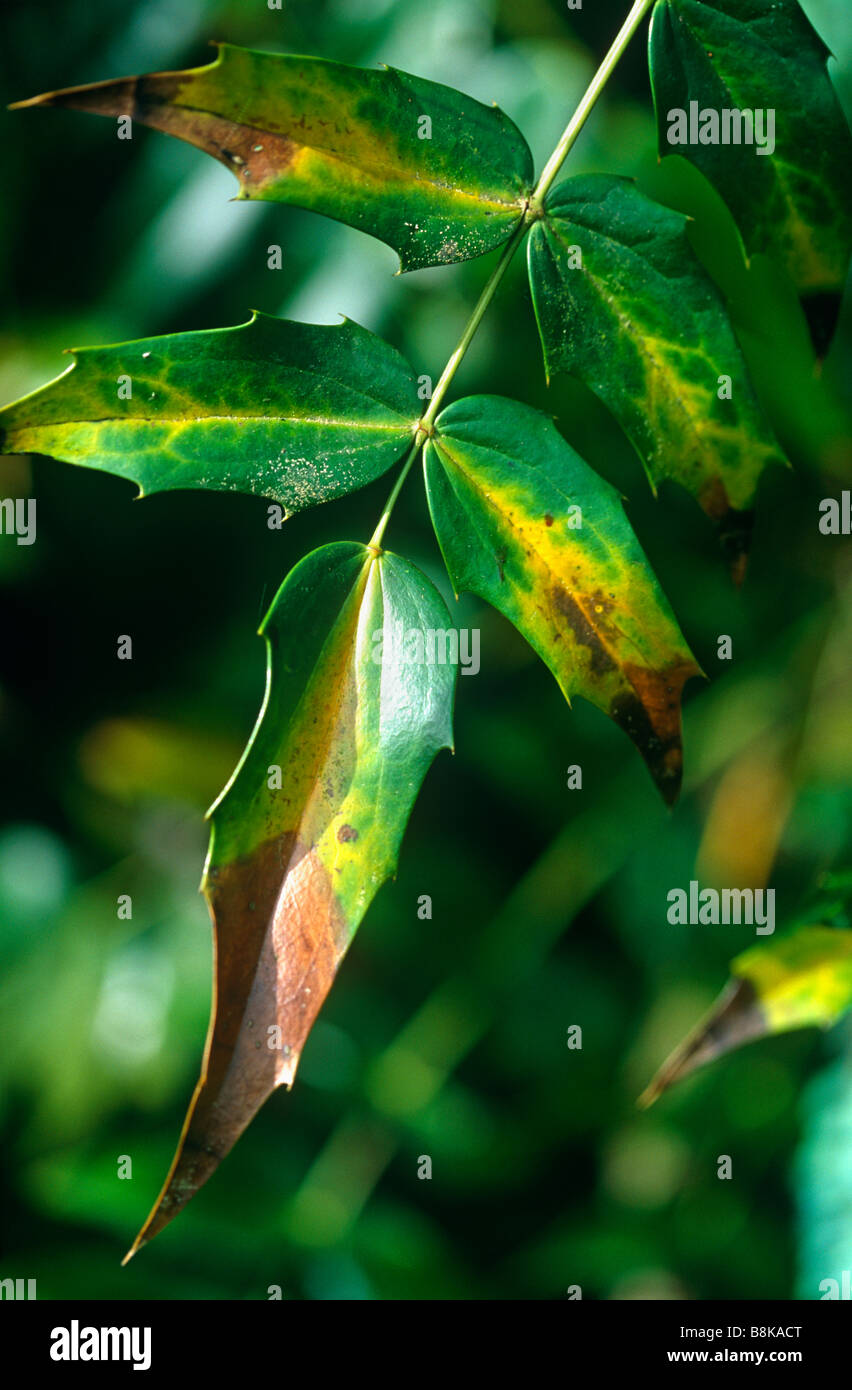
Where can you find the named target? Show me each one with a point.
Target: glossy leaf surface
(309, 826)
(624, 305)
(345, 141)
(296, 412)
(792, 200)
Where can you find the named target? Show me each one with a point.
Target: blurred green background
(444, 1037)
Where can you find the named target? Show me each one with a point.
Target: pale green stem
(472, 324)
(593, 91)
(376, 538)
(532, 212)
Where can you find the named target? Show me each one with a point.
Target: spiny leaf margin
(342, 141)
(295, 412)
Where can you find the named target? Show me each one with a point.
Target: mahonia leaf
(345, 141)
(523, 522)
(794, 200)
(309, 826)
(296, 412)
(801, 980)
(624, 305)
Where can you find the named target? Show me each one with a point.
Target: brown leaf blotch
(256, 155)
(588, 633)
(274, 967)
(650, 715)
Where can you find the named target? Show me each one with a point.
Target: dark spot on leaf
(548, 519)
(649, 714)
(600, 660)
(347, 832)
(663, 756)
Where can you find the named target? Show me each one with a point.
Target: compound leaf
(624, 305)
(523, 522)
(801, 980)
(309, 826)
(344, 141)
(792, 200)
(296, 412)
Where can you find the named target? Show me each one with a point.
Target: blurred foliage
(446, 1037)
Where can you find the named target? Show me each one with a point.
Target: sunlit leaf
(624, 305)
(296, 412)
(801, 980)
(526, 524)
(309, 826)
(438, 176)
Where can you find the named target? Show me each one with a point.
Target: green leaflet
(644, 327)
(297, 412)
(309, 826)
(760, 56)
(344, 141)
(504, 489)
(801, 980)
